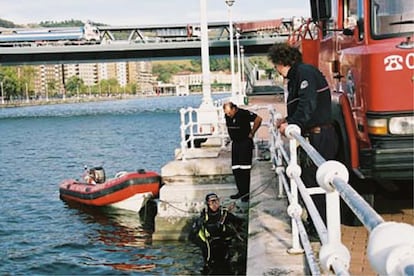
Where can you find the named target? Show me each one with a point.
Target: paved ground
(269, 228)
(356, 238)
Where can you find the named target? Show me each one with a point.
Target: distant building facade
(50, 79)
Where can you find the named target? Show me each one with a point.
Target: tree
(109, 86)
(8, 24)
(216, 64)
(262, 62)
(131, 88)
(73, 84)
(51, 87)
(8, 76)
(27, 79)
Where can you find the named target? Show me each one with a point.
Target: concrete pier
(269, 230)
(185, 185)
(209, 169)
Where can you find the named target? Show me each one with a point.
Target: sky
(147, 12)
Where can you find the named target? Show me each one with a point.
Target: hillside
(65, 23)
(8, 24)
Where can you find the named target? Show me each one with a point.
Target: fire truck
(365, 48)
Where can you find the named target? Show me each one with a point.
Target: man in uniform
(309, 107)
(241, 133)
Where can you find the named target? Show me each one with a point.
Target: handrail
(190, 125)
(389, 253)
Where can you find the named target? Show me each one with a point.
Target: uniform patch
(304, 84)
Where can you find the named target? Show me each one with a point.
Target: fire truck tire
(362, 186)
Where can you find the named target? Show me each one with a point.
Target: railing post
(191, 125)
(276, 144)
(293, 170)
(182, 128)
(334, 253)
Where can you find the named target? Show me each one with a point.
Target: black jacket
(309, 99)
(239, 126)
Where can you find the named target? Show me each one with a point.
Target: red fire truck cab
(365, 48)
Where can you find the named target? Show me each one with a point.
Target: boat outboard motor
(99, 175)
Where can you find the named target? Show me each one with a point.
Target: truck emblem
(393, 63)
(396, 62)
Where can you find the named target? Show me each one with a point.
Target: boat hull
(113, 192)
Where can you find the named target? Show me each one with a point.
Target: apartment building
(196, 79)
(48, 80)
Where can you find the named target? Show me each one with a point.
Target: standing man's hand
(281, 124)
(282, 127)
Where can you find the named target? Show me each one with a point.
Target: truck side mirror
(348, 31)
(320, 9)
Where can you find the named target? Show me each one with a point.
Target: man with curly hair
(309, 107)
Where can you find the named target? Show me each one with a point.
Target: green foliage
(196, 65)
(11, 85)
(164, 71)
(262, 62)
(216, 64)
(47, 24)
(219, 64)
(8, 24)
(66, 23)
(109, 86)
(73, 85)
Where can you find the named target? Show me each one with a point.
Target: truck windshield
(392, 18)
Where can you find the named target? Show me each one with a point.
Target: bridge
(151, 42)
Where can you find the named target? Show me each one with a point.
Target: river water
(42, 145)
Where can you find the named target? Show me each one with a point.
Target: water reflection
(122, 232)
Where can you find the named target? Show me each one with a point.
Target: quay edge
(269, 230)
(185, 185)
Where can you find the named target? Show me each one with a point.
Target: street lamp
(233, 87)
(242, 69)
(238, 63)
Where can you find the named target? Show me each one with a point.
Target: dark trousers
(326, 143)
(216, 256)
(241, 163)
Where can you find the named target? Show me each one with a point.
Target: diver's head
(213, 201)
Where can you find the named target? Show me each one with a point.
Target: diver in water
(216, 228)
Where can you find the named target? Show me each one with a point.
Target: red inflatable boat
(127, 190)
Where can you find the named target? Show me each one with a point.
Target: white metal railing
(190, 126)
(391, 245)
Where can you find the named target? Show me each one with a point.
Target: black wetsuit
(309, 107)
(216, 230)
(239, 128)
